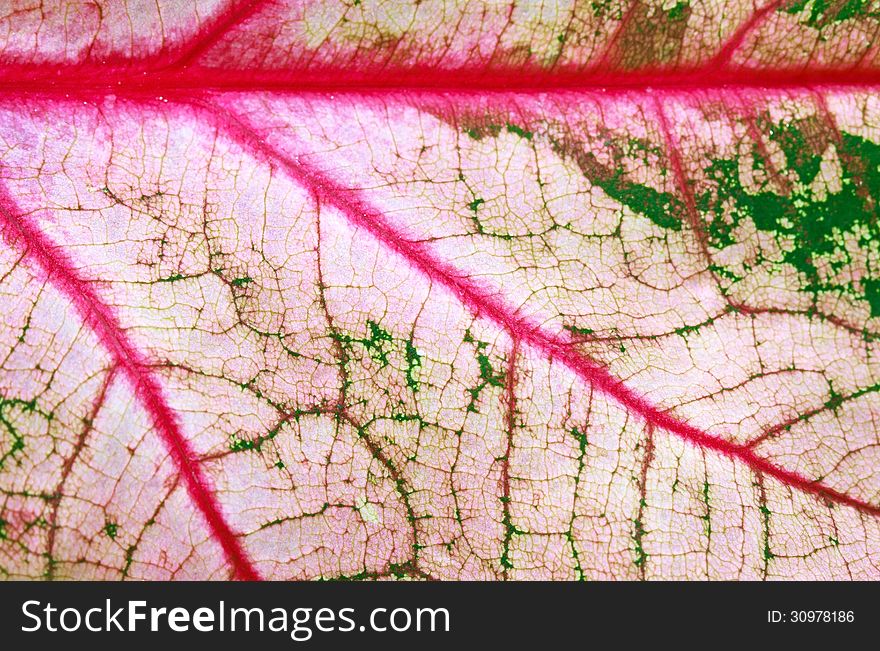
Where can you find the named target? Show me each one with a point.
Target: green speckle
(834, 541)
(679, 11)
(522, 133)
(375, 344)
(241, 282)
(834, 399)
(488, 375)
(581, 438)
(473, 205)
(172, 278)
(111, 529)
(725, 273)
(767, 553)
(640, 557)
(826, 12)
(279, 464)
(9, 409)
(707, 518)
(685, 330)
(3, 534)
(237, 444)
(24, 330)
(607, 9)
(579, 331)
(413, 363)
(510, 530)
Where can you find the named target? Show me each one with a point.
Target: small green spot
(638, 533)
(834, 541)
(172, 278)
(279, 464)
(522, 133)
(707, 518)
(835, 399)
(473, 205)
(510, 530)
(375, 344)
(678, 11)
(413, 363)
(237, 444)
(826, 12)
(579, 331)
(111, 528)
(3, 524)
(581, 438)
(241, 282)
(487, 373)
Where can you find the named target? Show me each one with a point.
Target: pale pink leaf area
(439, 290)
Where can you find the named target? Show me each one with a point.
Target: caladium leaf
(441, 290)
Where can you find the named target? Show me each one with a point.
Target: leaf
(339, 290)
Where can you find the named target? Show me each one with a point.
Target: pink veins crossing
(19, 232)
(486, 303)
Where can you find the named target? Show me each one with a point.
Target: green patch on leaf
(816, 229)
(679, 11)
(872, 294)
(413, 363)
(662, 208)
(821, 13)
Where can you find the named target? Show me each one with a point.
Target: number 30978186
(811, 616)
